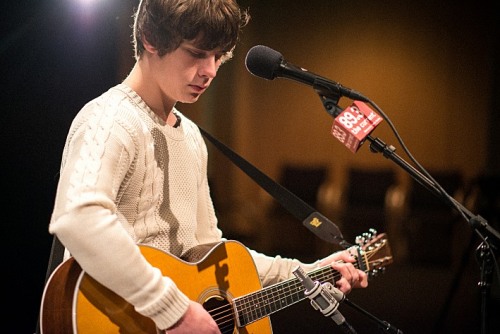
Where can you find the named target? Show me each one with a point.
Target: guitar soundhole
(222, 312)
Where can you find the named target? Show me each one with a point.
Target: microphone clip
(330, 103)
(324, 298)
(323, 290)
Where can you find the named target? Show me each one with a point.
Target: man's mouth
(199, 89)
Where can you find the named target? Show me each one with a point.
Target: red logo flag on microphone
(354, 124)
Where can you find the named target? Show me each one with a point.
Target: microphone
(325, 298)
(354, 124)
(267, 63)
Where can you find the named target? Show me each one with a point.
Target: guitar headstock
(375, 252)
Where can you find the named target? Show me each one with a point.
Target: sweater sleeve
(85, 219)
(276, 269)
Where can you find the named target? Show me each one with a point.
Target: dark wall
(53, 60)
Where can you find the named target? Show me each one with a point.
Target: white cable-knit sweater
(128, 178)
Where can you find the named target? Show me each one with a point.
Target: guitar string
(251, 305)
(255, 308)
(294, 287)
(224, 314)
(223, 318)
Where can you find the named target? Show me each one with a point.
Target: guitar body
(73, 302)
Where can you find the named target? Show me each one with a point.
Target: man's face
(184, 74)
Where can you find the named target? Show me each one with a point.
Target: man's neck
(138, 80)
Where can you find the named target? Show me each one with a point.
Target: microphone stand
(484, 252)
(383, 325)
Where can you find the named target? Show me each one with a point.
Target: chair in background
(364, 200)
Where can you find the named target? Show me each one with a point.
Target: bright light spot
(87, 11)
(87, 2)
(90, 4)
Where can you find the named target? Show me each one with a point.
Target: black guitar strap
(312, 219)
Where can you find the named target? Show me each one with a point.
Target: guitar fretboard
(275, 297)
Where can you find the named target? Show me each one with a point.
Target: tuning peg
(365, 237)
(377, 271)
(360, 240)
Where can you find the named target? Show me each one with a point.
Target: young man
(134, 169)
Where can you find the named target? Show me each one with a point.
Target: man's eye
(197, 54)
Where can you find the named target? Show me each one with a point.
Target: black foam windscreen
(263, 61)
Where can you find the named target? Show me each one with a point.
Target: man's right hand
(195, 320)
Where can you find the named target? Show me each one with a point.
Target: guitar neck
(276, 297)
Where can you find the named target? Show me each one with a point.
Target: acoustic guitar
(221, 277)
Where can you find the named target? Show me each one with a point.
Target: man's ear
(148, 46)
